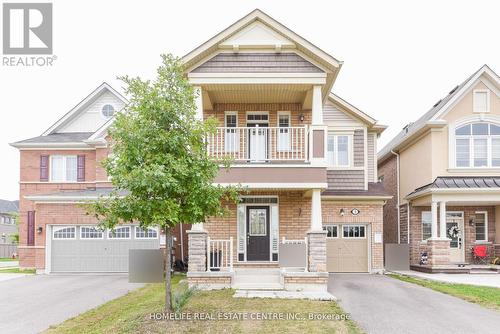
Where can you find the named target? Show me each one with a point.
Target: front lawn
(131, 314)
(17, 271)
(483, 295)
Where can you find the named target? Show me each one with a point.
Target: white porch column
(316, 224)
(197, 227)
(317, 106)
(434, 214)
(442, 220)
(199, 102)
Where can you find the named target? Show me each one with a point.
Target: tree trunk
(168, 283)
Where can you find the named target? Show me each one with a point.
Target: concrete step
(483, 271)
(255, 286)
(250, 279)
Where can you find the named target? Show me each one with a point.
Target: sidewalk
(492, 280)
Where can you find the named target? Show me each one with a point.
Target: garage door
(347, 248)
(87, 249)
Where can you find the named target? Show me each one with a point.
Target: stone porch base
(213, 280)
(305, 281)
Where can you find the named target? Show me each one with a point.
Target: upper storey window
(481, 100)
(339, 150)
(477, 145)
(64, 168)
(108, 110)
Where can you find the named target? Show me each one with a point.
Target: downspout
(397, 186)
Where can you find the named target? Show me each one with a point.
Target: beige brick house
(306, 157)
(445, 167)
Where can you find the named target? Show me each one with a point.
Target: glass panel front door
(454, 231)
(258, 244)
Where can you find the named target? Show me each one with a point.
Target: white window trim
(65, 158)
(283, 113)
(136, 229)
(422, 225)
(338, 231)
(453, 145)
(101, 111)
(59, 228)
(350, 148)
(354, 225)
(485, 226)
(257, 113)
(91, 226)
(226, 113)
(112, 237)
(488, 107)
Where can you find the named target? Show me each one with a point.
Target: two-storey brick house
(445, 167)
(306, 157)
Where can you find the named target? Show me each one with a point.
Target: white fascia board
(270, 185)
(450, 191)
(52, 146)
(257, 78)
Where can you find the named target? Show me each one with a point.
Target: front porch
(270, 240)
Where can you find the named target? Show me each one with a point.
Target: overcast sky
(399, 57)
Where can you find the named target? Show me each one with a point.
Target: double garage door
(347, 248)
(86, 249)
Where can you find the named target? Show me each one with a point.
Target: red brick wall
(387, 171)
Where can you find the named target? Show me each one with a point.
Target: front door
(258, 233)
(257, 145)
(455, 232)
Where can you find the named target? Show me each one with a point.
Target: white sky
(400, 57)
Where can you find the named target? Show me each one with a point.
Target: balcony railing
(259, 144)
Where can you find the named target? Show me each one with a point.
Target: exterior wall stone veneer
(316, 243)
(197, 251)
(438, 252)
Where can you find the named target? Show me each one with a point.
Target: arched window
(477, 145)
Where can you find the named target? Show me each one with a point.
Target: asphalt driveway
(381, 304)
(31, 304)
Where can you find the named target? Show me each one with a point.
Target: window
(481, 222)
(91, 232)
(481, 100)
(231, 139)
(66, 232)
(63, 168)
(477, 145)
(119, 233)
(353, 231)
(331, 231)
(108, 110)
(283, 132)
(426, 225)
(150, 233)
(338, 150)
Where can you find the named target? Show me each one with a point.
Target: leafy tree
(160, 169)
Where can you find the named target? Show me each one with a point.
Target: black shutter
(80, 175)
(44, 168)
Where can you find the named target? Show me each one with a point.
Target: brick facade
(387, 174)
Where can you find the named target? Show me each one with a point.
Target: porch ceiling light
(342, 212)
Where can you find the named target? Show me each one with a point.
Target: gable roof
(82, 104)
(432, 117)
(9, 206)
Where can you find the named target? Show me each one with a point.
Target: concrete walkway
(32, 303)
(380, 304)
(492, 280)
(281, 294)
(8, 264)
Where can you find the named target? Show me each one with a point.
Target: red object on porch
(480, 253)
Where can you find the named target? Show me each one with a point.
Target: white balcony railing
(220, 255)
(259, 144)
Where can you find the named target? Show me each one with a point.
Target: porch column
(316, 224)
(434, 214)
(317, 106)
(442, 220)
(199, 102)
(197, 250)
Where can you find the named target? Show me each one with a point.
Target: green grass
(7, 259)
(483, 295)
(131, 314)
(17, 271)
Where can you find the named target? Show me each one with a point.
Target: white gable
(333, 116)
(90, 118)
(257, 34)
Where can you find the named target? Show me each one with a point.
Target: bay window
(63, 168)
(338, 150)
(477, 145)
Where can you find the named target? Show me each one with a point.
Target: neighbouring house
(61, 169)
(305, 156)
(444, 173)
(8, 216)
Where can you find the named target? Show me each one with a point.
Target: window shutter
(31, 228)
(80, 168)
(44, 168)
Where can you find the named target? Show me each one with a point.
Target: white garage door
(87, 249)
(347, 248)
